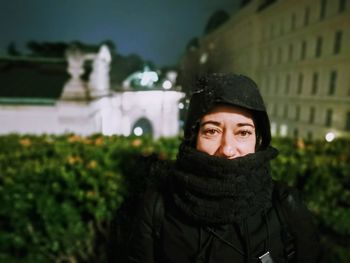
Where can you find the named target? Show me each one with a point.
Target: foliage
(58, 194)
(321, 171)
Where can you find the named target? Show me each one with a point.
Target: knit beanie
(232, 89)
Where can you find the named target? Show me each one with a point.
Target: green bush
(58, 194)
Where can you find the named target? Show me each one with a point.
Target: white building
(85, 106)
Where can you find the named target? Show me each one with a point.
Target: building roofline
(31, 59)
(26, 101)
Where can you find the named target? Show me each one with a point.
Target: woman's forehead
(222, 114)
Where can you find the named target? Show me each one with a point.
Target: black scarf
(215, 190)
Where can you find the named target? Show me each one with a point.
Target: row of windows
(313, 87)
(328, 117)
(289, 54)
(303, 18)
(282, 129)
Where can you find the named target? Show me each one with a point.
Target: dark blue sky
(158, 30)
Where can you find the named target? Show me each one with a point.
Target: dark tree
(47, 49)
(12, 50)
(244, 3)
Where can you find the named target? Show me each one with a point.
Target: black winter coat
(183, 241)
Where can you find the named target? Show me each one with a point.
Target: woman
(218, 201)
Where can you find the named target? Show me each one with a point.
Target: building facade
(57, 96)
(299, 54)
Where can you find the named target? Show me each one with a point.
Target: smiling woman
(217, 202)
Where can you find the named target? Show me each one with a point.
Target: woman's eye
(244, 133)
(210, 132)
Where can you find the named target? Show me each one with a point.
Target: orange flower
(136, 142)
(25, 142)
(92, 164)
(74, 138)
(90, 194)
(73, 159)
(300, 144)
(99, 141)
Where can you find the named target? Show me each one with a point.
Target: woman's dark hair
(230, 89)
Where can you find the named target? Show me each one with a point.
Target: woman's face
(226, 131)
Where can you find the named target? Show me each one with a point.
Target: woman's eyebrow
(216, 123)
(245, 124)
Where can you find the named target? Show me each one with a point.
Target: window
(287, 84)
(277, 84)
(296, 133)
(269, 60)
(279, 55)
(303, 50)
(342, 6)
(297, 113)
(329, 115)
(318, 47)
(312, 115)
(281, 27)
(267, 85)
(300, 83)
(275, 110)
(323, 9)
(337, 42)
(290, 52)
(293, 21)
(307, 16)
(285, 111)
(271, 30)
(314, 83)
(309, 136)
(332, 83)
(347, 124)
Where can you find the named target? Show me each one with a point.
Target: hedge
(58, 194)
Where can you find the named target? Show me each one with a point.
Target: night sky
(157, 30)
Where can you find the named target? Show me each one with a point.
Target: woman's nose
(228, 148)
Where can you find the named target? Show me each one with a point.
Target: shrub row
(58, 194)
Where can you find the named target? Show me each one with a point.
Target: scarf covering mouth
(216, 190)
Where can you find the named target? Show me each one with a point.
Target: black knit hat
(232, 89)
